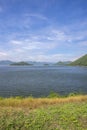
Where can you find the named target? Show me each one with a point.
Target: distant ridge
(82, 61)
(5, 62)
(63, 63)
(34, 63)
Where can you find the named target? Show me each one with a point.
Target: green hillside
(82, 61)
(22, 63)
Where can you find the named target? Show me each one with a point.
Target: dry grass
(44, 113)
(33, 103)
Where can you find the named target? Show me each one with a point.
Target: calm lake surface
(41, 80)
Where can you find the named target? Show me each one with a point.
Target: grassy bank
(68, 113)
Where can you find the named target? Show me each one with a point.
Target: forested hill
(82, 61)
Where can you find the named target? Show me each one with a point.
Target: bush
(53, 95)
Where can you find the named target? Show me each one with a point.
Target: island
(22, 63)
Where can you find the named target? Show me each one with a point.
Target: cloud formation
(43, 31)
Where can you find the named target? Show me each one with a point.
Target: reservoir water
(41, 80)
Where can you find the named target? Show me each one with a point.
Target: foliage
(53, 95)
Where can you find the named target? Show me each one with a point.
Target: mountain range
(82, 61)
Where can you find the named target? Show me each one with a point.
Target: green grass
(51, 114)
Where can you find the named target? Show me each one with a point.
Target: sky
(43, 30)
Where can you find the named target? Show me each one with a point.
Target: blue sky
(43, 30)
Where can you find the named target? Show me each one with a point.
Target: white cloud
(63, 35)
(3, 55)
(59, 35)
(36, 45)
(47, 58)
(30, 47)
(36, 15)
(16, 42)
(83, 44)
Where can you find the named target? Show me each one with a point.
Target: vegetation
(68, 113)
(82, 61)
(22, 63)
